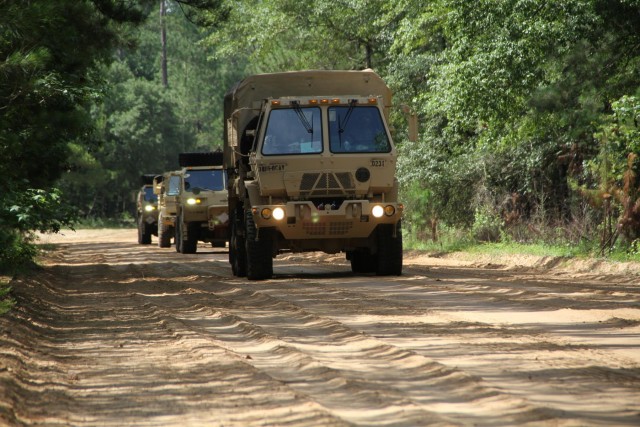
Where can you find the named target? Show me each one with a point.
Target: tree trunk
(163, 41)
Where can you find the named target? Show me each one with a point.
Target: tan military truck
(167, 187)
(201, 205)
(311, 167)
(146, 211)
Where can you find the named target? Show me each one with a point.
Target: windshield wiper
(303, 119)
(342, 126)
(352, 105)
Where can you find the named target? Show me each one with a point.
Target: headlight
(192, 201)
(278, 214)
(377, 211)
(268, 213)
(148, 208)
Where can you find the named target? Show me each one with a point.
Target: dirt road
(113, 333)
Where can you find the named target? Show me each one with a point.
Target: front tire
(144, 232)
(362, 262)
(389, 256)
(259, 248)
(237, 251)
(164, 238)
(190, 244)
(177, 238)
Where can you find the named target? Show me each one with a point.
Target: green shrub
(6, 302)
(22, 212)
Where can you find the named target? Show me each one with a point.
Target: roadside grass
(6, 302)
(451, 241)
(95, 223)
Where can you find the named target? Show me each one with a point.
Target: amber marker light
(265, 213)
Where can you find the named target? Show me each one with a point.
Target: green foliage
(140, 125)
(516, 88)
(6, 302)
(289, 34)
(487, 225)
(48, 53)
(23, 212)
(614, 171)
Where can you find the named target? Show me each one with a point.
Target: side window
(174, 185)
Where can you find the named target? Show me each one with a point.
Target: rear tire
(259, 247)
(389, 256)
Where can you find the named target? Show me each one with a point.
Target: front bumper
(303, 220)
(218, 216)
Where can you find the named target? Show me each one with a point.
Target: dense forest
(528, 110)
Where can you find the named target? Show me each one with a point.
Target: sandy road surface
(112, 333)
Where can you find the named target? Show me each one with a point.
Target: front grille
(336, 228)
(339, 228)
(314, 229)
(326, 184)
(308, 181)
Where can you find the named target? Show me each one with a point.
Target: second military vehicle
(311, 167)
(201, 205)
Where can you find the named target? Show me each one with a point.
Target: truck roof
(307, 83)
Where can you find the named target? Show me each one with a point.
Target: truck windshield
(149, 196)
(293, 131)
(357, 130)
(204, 180)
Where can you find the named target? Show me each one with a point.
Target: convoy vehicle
(311, 167)
(146, 211)
(201, 204)
(166, 186)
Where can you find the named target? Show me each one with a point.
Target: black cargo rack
(147, 179)
(213, 158)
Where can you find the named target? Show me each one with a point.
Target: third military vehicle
(311, 167)
(147, 211)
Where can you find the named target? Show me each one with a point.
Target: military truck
(201, 204)
(167, 187)
(311, 167)
(146, 211)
